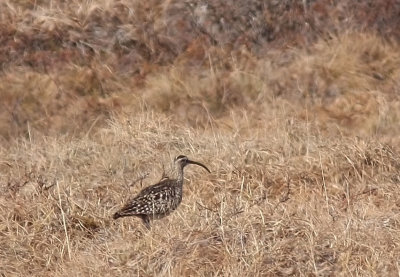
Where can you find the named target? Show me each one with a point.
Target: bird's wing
(136, 206)
(148, 200)
(160, 186)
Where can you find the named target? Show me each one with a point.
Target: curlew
(160, 199)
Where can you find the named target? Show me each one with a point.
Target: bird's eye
(180, 157)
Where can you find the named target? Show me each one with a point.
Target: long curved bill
(200, 164)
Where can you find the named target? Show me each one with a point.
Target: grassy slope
(302, 140)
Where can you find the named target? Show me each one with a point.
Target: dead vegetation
(293, 105)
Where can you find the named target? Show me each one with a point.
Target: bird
(160, 199)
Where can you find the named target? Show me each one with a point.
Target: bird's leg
(146, 220)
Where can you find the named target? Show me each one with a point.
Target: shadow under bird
(160, 199)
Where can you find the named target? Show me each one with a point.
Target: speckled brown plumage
(158, 200)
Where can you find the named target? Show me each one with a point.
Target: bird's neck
(179, 175)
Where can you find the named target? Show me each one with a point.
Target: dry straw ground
(293, 105)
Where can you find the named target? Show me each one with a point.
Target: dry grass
(298, 123)
(284, 202)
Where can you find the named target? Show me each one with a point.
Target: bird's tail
(123, 213)
(117, 215)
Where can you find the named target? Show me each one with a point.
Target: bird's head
(183, 161)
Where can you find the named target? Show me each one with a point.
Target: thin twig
(139, 179)
(64, 221)
(286, 197)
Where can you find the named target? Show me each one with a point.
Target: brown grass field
(293, 105)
